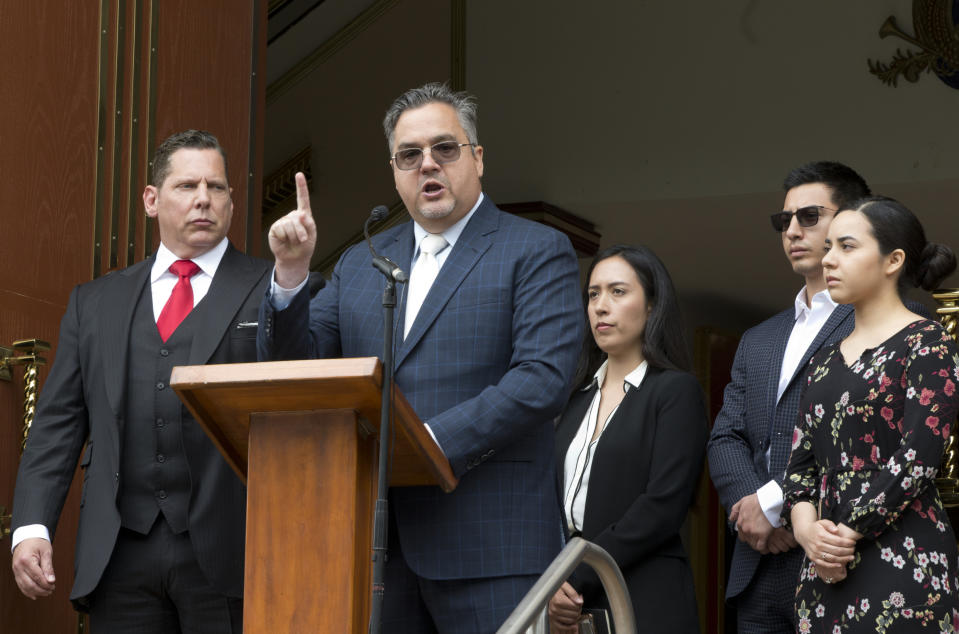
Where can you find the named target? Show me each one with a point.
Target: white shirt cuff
(281, 297)
(28, 532)
(771, 502)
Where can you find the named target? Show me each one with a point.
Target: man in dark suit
(485, 355)
(162, 520)
(750, 442)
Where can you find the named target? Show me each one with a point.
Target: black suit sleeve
(60, 428)
(679, 444)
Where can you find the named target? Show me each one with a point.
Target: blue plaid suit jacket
(487, 364)
(751, 421)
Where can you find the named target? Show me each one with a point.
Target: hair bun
(937, 263)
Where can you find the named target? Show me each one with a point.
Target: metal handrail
(577, 551)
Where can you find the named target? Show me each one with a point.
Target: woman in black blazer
(630, 445)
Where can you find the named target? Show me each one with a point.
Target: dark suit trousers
(414, 605)
(767, 605)
(154, 585)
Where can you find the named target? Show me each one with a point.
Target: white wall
(674, 123)
(665, 123)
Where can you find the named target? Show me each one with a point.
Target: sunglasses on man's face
(805, 216)
(443, 152)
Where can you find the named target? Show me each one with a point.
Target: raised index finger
(302, 193)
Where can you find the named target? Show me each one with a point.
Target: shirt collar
(452, 234)
(633, 379)
(208, 262)
(821, 301)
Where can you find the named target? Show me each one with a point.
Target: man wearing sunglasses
(751, 439)
(488, 328)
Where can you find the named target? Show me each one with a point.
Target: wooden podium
(303, 436)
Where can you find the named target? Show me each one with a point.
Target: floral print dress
(865, 452)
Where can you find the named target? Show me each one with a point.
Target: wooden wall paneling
(255, 175)
(75, 134)
(135, 158)
(116, 116)
(126, 77)
(48, 149)
(149, 227)
(102, 148)
(204, 79)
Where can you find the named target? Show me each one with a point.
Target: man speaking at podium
(488, 331)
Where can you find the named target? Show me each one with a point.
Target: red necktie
(181, 299)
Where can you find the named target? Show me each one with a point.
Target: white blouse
(579, 456)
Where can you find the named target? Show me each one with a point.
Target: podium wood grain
(303, 435)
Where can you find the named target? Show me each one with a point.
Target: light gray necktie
(424, 272)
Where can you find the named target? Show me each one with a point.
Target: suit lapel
(234, 278)
(115, 320)
(780, 339)
(469, 248)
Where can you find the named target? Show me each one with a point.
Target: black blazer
(83, 401)
(645, 471)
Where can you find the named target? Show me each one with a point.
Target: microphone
(383, 264)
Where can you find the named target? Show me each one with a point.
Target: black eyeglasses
(443, 152)
(805, 216)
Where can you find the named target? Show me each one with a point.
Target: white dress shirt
(162, 282)
(809, 321)
(579, 456)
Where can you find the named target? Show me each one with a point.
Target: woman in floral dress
(875, 414)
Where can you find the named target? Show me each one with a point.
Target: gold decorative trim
(326, 50)
(937, 37)
(948, 480)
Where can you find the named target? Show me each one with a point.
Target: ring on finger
(825, 556)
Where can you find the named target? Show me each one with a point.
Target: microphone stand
(381, 517)
(392, 273)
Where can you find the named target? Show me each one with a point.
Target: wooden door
(88, 89)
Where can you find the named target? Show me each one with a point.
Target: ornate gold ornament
(948, 480)
(936, 23)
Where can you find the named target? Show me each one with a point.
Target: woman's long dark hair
(664, 340)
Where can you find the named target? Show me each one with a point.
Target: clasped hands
(754, 529)
(829, 545)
